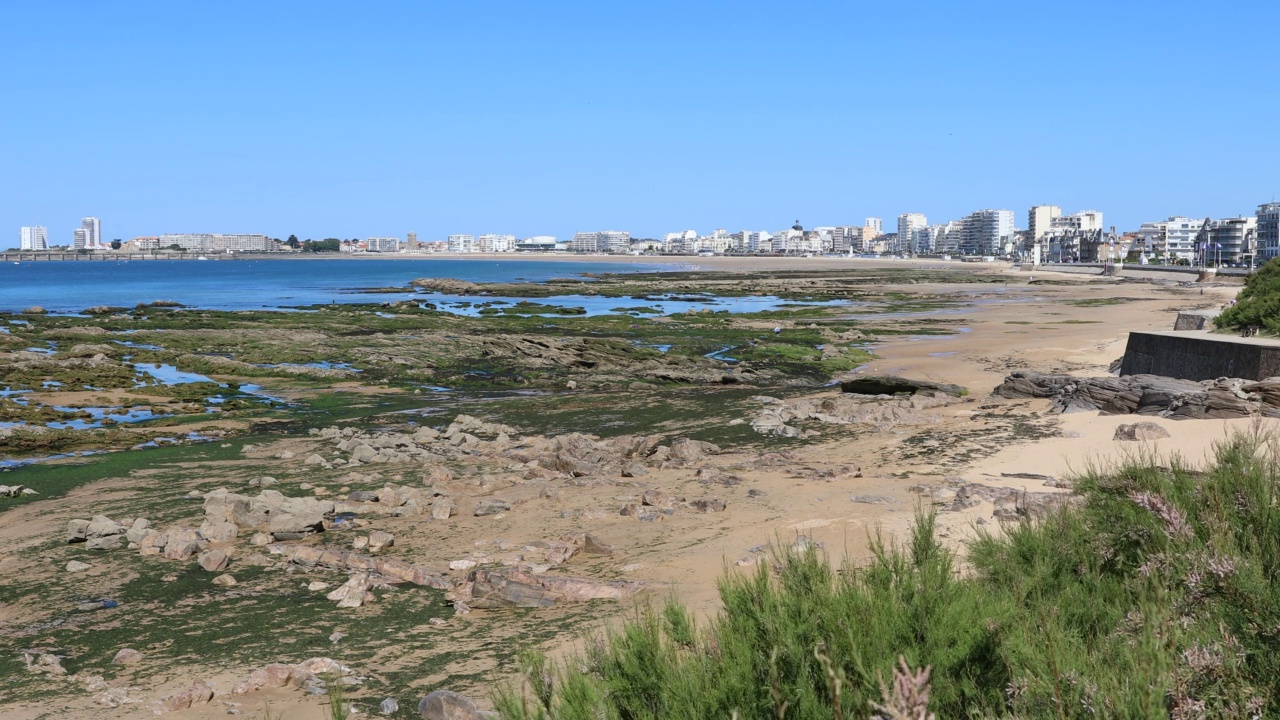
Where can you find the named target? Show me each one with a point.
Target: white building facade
(911, 232)
(382, 244)
(34, 237)
(462, 243)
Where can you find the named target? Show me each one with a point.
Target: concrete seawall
(1199, 355)
(1142, 272)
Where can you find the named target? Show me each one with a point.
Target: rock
(893, 385)
(873, 499)
(388, 706)
(443, 508)
(103, 526)
(1151, 395)
(214, 560)
(379, 540)
(200, 693)
(316, 586)
(43, 663)
(589, 543)
(363, 496)
(351, 593)
(126, 656)
(437, 622)
(219, 532)
(275, 675)
(491, 507)
(394, 570)
(34, 310)
(446, 705)
(360, 543)
(656, 498)
(708, 505)
(77, 566)
(259, 539)
(634, 469)
(224, 580)
(314, 459)
(1141, 431)
(462, 564)
(110, 542)
(688, 451)
(508, 587)
(179, 543)
(77, 530)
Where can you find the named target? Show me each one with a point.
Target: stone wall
(1200, 356)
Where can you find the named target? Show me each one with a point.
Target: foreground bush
(1155, 597)
(1258, 304)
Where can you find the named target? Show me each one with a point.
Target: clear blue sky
(360, 119)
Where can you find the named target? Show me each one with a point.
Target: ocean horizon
(260, 284)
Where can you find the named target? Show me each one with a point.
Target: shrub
(1153, 597)
(1258, 303)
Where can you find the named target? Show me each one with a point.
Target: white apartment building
(80, 239)
(382, 244)
(987, 232)
(1268, 231)
(876, 225)
(585, 242)
(209, 242)
(496, 243)
(1083, 221)
(910, 232)
(92, 233)
(757, 241)
(1040, 218)
(462, 243)
(34, 237)
(1174, 238)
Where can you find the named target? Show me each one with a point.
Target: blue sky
(363, 119)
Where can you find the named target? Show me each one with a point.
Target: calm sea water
(66, 287)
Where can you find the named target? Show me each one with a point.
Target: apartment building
(382, 244)
(34, 237)
(1268, 231)
(462, 243)
(911, 234)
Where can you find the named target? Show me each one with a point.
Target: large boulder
(1141, 431)
(446, 705)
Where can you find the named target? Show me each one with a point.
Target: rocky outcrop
(1148, 395)
(447, 286)
(393, 570)
(1139, 432)
(777, 416)
(283, 517)
(447, 705)
(893, 385)
(509, 587)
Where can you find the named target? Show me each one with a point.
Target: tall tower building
(911, 232)
(876, 225)
(35, 237)
(1040, 218)
(92, 232)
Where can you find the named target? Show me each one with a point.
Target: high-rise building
(876, 225)
(1175, 238)
(34, 237)
(1040, 218)
(1083, 221)
(987, 232)
(80, 239)
(1268, 233)
(92, 232)
(911, 232)
(411, 241)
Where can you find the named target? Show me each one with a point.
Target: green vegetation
(1154, 597)
(1258, 304)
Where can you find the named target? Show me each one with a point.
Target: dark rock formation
(892, 385)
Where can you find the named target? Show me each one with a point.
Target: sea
(273, 284)
(70, 287)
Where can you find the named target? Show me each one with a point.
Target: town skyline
(318, 124)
